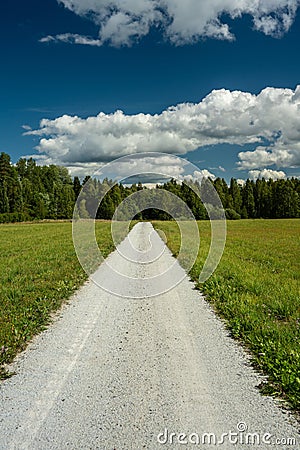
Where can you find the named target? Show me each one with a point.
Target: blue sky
(212, 84)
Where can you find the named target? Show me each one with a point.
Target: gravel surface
(124, 373)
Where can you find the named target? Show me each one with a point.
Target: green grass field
(256, 289)
(38, 270)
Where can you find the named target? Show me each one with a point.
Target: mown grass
(38, 271)
(256, 289)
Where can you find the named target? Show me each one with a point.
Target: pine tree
(235, 192)
(248, 199)
(76, 186)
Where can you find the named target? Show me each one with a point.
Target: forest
(32, 192)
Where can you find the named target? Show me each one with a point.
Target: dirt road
(133, 373)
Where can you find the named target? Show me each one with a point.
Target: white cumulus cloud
(231, 117)
(284, 153)
(198, 175)
(155, 167)
(267, 174)
(122, 22)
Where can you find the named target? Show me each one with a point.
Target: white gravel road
(125, 373)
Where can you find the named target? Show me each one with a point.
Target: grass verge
(256, 289)
(38, 271)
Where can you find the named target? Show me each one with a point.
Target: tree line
(29, 192)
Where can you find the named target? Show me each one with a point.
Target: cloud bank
(269, 120)
(123, 22)
(150, 169)
(267, 174)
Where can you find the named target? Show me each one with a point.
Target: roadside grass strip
(256, 290)
(38, 271)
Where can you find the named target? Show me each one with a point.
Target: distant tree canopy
(29, 191)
